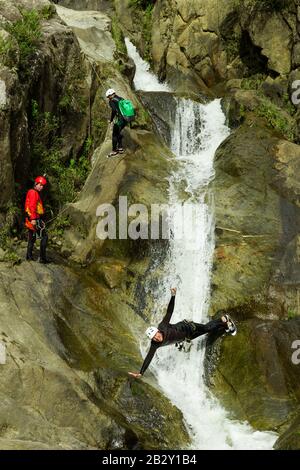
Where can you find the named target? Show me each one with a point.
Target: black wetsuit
(119, 125)
(174, 333)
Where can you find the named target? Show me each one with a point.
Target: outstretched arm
(146, 362)
(170, 308)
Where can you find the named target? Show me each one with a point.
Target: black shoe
(44, 260)
(29, 258)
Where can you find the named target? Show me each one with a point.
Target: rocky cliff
(71, 328)
(72, 333)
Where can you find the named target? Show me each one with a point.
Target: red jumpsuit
(34, 210)
(33, 207)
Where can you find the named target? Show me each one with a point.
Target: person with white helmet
(167, 333)
(113, 100)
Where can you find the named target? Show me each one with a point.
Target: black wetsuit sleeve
(148, 358)
(113, 111)
(170, 310)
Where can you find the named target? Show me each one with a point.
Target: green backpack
(127, 110)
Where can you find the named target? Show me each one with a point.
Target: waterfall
(143, 79)
(198, 131)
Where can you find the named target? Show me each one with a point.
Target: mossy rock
(253, 375)
(290, 439)
(255, 197)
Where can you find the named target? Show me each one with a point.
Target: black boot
(44, 261)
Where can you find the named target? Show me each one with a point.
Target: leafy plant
(276, 119)
(118, 36)
(254, 82)
(47, 12)
(61, 222)
(27, 34)
(232, 46)
(147, 33)
(66, 178)
(291, 314)
(6, 228)
(73, 97)
(8, 51)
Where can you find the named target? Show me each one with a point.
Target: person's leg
(30, 245)
(115, 137)
(43, 247)
(121, 125)
(199, 329)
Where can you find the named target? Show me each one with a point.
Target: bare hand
(33, 222)
(173, 290)
(136, 375)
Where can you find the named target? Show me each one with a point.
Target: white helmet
(151, 332)
(110, 92)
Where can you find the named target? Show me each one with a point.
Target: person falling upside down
(168, 333)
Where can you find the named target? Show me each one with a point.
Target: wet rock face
(186, 47)
(254, 373)
(98, 5)
(136, 176)
(256, 279)
(65, 382)
(71, 334)
(290, 439)
(257, 224)
(93, 33)
(202, 43)
(162, 107)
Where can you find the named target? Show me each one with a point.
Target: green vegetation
(25, 35)
(73, 97)
(7, 232)
(280, 117)
(276, 118)
(254, 82)
(8, 51)
(118, 36)
(143, 119)
(143, 13)
(147, 27)
(61, 222)
(66, 178)
(232, 46)
(47, 12)
(292, 314)
(288, 104)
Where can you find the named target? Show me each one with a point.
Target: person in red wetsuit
(34, 210)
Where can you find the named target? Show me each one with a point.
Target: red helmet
(41, 180)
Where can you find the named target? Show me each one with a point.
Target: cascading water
(143, 79)
(197, 133)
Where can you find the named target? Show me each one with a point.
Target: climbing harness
(40, 227)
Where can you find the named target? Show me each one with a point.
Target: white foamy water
(198, 131)
(144, 79)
